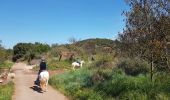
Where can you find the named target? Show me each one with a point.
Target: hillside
(97, 41)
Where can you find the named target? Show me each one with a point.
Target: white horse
(43, 78)
(74, 64)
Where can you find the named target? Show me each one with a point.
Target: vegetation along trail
(25, 89)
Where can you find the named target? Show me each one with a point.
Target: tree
(54, 45)
(5, 53)
(28, 51)
(72, 40)
(147, 31)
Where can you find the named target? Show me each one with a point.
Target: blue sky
(55, 21)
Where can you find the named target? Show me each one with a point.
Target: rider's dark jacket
(43, 66)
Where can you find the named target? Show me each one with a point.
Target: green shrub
(103, 61)
(28, 51)
(134, 66)
(135, 88)
(99, 76)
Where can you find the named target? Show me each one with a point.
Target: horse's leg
(46, 85)
(81, 65)
(41, 86)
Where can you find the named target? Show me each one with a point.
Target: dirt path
(25, 89)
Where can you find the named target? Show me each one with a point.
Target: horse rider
(43, 66)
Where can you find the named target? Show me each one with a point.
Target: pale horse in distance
(76, 64)
(43, 78)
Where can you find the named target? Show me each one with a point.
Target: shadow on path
(36, 88)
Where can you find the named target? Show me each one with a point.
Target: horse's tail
(43, 79)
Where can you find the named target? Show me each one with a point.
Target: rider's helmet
(43, 59)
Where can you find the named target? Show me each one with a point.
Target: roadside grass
(55, 65)
(6, 91)
(100, 84)
(5, 65)
(72, 84)
(102, 80)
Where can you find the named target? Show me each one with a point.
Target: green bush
(134, 66)
(135, 88)
(28, 51)
(99, 76)
(103, 61)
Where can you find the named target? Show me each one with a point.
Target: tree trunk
(60, 57)
(151, 67)
(167, 59)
